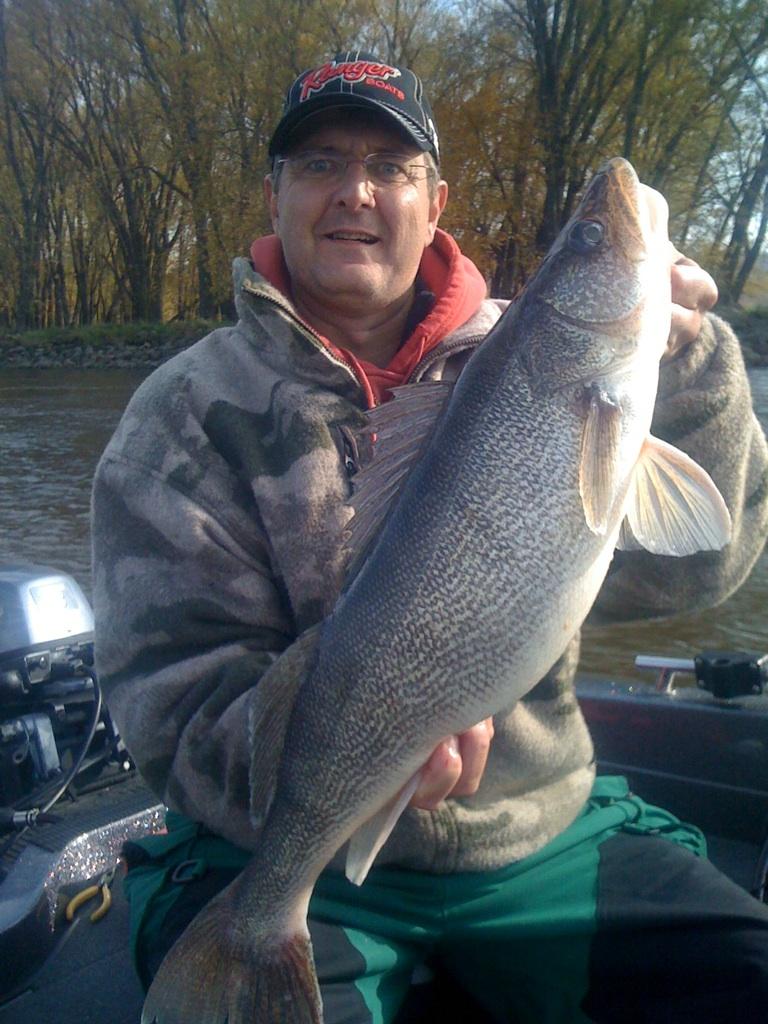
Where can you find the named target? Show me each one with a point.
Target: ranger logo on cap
(350, 71)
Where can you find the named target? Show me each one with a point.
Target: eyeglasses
(384, 170)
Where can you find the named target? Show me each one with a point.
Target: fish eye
(586, 235)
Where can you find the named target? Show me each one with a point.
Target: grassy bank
(133, 335)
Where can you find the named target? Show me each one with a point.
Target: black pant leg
(676, 940)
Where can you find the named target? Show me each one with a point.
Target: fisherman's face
(352, 247)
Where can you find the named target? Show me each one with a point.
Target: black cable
(21, 818)
(760, 881)
(84, 750)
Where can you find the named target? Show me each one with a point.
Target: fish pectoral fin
(674, 507)
(366, 842)
(598, 483)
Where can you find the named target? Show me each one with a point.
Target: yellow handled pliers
(88, 893)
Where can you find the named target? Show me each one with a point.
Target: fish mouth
(656, 208)
(636, 214)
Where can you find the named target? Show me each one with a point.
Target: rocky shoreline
(111, 355)
(755, 354)
(147, 355)
(754, 359)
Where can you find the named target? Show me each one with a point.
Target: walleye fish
(536, 466)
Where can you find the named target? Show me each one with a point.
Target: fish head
(601, 298)
(596, 324)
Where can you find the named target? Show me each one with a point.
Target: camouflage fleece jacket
(218, 511)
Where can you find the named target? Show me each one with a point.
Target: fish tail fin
(215, 975)
(286, 989)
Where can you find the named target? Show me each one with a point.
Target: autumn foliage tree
(133, 133)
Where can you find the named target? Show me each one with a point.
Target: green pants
(547, 939)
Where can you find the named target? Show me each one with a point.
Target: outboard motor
(52, 724)
(70, 796)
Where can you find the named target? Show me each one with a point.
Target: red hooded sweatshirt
(456, 283)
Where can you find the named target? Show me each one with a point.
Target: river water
(55, 423)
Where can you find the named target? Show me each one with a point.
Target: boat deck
(88, 979)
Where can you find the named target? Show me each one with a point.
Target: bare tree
(29, 108)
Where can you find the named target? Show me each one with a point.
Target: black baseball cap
(359, 79)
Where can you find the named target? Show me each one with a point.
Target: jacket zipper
(304, 327)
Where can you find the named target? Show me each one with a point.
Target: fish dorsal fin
(598, 483)
(273, 701)
(372, 834)
(674, 506)
(401, 428)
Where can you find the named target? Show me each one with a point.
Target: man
(219, 510)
